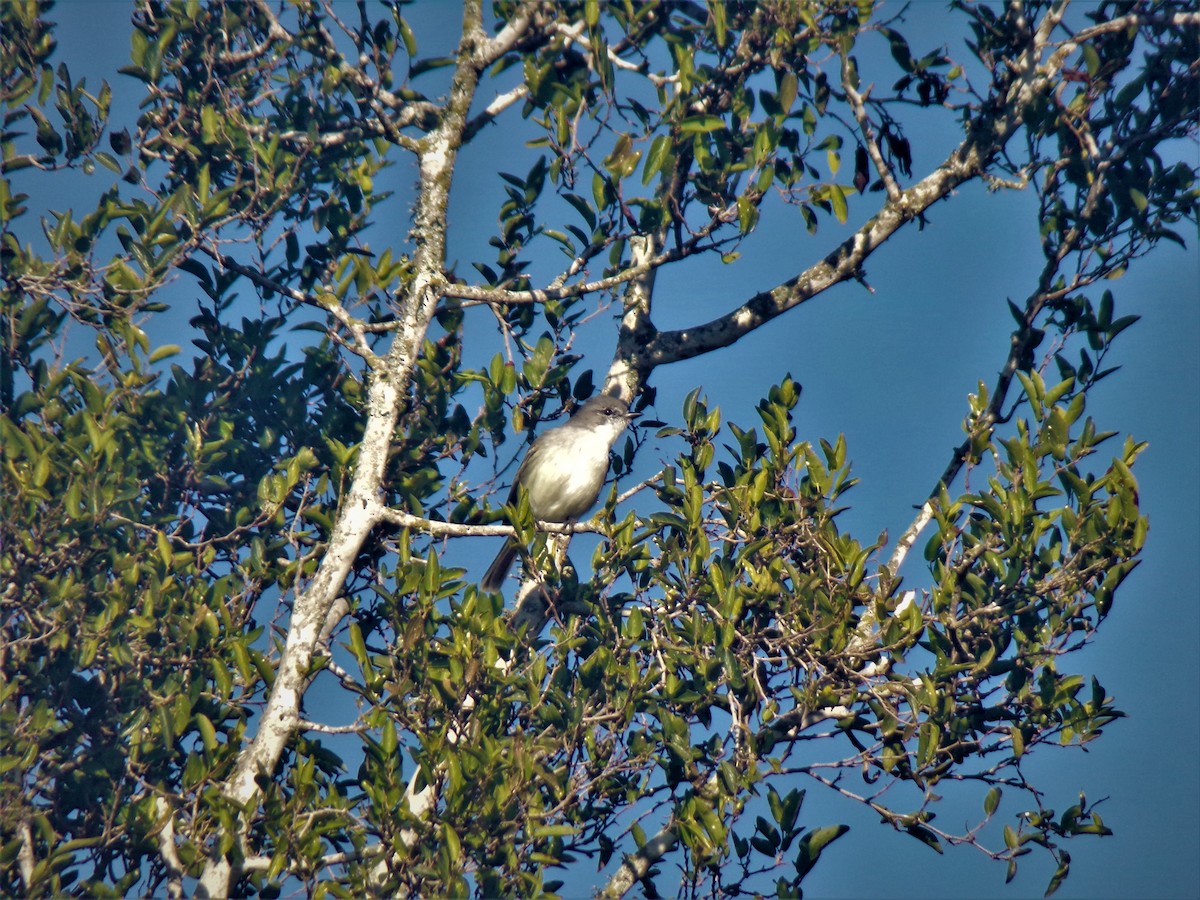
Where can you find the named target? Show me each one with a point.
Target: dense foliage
(234, 657)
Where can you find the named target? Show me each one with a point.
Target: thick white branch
(636, 865)
(911, 533)
(167, 850)
(360, 509)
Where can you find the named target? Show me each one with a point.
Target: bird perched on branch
(564, 470)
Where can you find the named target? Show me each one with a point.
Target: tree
(236, 653)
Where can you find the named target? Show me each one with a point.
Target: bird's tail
(493, 579)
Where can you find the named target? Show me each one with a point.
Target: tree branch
(544, 295)
(167, 850)
(360, 509)
(455, 529)
(1026, 81)
(841, 265)
(636, 865)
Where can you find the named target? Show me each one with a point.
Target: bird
(563, 471)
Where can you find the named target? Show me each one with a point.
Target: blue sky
(891, 371)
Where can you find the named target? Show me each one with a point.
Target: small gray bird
(564, 470)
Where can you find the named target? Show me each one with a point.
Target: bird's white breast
(568, 481)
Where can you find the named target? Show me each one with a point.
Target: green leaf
(209, 125)
(208, 734)
(623, 159)
(634, 625)
(813, 844)
(747, 215)
(602, 191)
(838, 198)
(925, 836)
(900, 50)
(775, 803)
(450, 843)
(991, 801)
(406, 34)
(659, 150)
(789, 87)
(716, 11)
(1018, 742)
(583, 207)
(701, 124)
(1060, 874)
